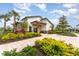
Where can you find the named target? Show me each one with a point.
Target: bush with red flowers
(20, 31)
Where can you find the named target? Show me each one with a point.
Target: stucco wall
(44, 28)
(48, 25)
(29, 20)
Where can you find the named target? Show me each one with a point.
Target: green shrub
(13, 53)
(29, 51)
(36, 34)
(51, 32)
(28, 35)
(5, 37)
(9, 30)
(9, 36)
(12, 36)
(20, 35)
(10, 53)
(31, 34)
(77, 52)
(1, 34)
(52, 47)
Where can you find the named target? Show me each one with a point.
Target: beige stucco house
(38, 24)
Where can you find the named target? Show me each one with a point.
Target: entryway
(35, 30)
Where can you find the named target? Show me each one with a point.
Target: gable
(45, 19)
(31, 17)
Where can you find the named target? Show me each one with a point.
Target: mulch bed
(11, 40)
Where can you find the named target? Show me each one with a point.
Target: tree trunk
(14, 25)
(4, 25)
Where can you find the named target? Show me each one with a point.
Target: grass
(72, 34)
(68, 34)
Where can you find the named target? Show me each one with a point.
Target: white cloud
(20, 11)
(55, 21)
(72, 10)
(41, 6)
(69, 5)
(22, 8)
(69, 12)
(76, 17)
(60, 12)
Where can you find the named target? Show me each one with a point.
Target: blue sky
(52, 11)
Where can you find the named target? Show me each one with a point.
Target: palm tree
(16, 16)
(5, 17)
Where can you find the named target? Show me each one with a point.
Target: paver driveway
(20, 44)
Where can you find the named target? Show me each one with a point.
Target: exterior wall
(48, 25)
(29, 20)
(44, 28)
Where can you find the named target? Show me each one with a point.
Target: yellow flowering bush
(9, 36)
(52, 47)
(19, 35)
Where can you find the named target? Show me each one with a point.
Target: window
(30, 29)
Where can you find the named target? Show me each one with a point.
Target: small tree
(21, 27)
(63, 24)
(24, 25)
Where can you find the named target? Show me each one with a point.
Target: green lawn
(72, 34)
(68, 34)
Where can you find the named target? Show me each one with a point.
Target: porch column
(39, 29)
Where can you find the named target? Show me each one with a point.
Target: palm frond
(1, 16)
(15, 13)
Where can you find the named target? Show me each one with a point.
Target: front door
(35, 30)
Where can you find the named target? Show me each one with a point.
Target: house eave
(26, 18)
(48, 21)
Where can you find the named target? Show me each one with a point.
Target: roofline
(40, 20)
(48, 21)
(30, 17)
